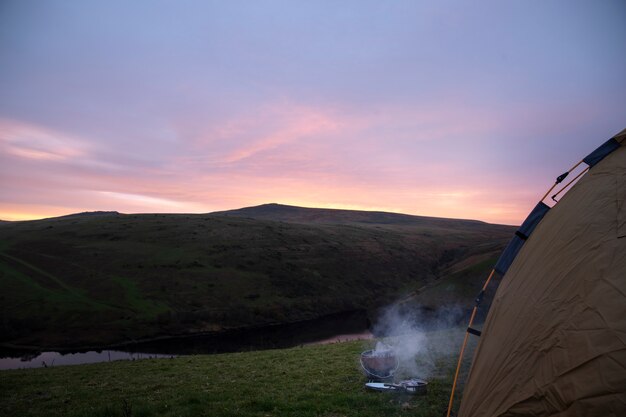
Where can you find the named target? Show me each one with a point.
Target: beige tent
(554, 341)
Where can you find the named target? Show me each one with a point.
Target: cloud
(288, 124)
(33, 142)
(377, 158)
(146, 202)
(440, 159)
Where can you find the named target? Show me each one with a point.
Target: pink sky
(427, 109)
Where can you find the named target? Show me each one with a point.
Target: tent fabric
(527, 227)
(533, 219)
(621, 200)
(620, 137)
(508, 255)
(554, 342)
(602, 151)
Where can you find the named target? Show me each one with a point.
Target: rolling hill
(94, 279)
(294, 214)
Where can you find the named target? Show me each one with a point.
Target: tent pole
(458, 368)
(458, 365)
(560, 178)
(570, 183)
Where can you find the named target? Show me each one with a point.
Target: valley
(104, 278)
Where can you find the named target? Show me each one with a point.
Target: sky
(438, 108)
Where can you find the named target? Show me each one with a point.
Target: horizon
(431, 109)
(249, 207)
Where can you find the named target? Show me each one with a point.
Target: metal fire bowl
(379, 366)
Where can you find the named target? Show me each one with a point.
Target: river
(338, 327)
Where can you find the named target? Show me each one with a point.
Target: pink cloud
(299, 124)
(33, 142)
(412, 160)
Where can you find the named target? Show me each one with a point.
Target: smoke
(382, 349)
(421, 339)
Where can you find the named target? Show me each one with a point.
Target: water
(48, 359)
(365, 335)
(330, 329)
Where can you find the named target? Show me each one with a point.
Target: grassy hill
(294, 214)
(94, 279)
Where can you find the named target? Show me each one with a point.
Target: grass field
(323, 380)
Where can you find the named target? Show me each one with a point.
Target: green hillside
(102, 278)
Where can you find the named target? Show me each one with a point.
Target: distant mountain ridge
(287, 213)
(83, 214)
(296, 214)
(92, 214)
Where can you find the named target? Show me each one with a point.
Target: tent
(554, 341)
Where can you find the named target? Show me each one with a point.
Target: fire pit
(380, 363)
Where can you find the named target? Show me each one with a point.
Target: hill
(294, 214)
(99, 279)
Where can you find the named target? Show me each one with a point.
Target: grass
(133, 298)
(323, 380)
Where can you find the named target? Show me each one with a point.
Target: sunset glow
(428, 108)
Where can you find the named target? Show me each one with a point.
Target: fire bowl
(379, 365)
